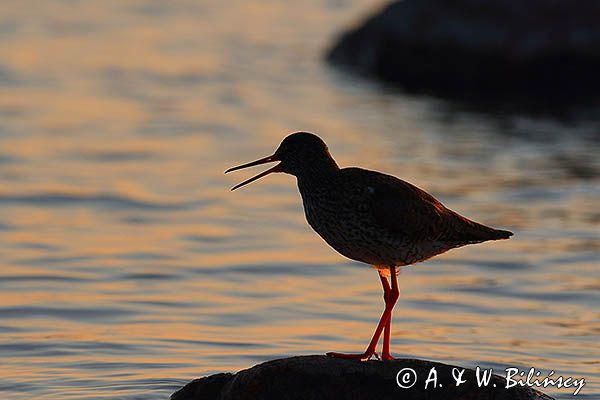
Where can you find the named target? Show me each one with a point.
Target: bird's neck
(317, 174)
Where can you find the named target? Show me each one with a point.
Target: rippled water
(129, 268)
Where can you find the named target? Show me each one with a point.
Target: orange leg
(390, 297)
(385, 354)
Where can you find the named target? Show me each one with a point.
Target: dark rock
(323, 378)
(511, 49)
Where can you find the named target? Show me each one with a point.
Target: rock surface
(549, 49)
(323, 378)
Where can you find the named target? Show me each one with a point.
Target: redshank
(370, 217)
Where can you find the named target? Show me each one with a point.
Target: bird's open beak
(265, 160)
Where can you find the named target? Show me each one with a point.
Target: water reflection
(128, 267)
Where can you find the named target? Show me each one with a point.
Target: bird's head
(298, 154)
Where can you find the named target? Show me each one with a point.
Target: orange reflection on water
(127, 263)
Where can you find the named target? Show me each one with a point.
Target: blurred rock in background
(538, 54)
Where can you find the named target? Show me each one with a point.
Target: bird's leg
(386, 294)
(392, 297)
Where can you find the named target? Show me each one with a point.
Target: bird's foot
(366, 356)
(388, 356)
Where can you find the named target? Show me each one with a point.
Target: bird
(370, 217)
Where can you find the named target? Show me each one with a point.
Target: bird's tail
(474, 232)
(501, 234)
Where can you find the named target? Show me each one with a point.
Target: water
(128, 268)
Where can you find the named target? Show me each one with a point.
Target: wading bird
(370, 217)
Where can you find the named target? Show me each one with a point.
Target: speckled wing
(404, 209)
(416, 216)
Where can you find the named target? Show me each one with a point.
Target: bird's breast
(341, 215)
